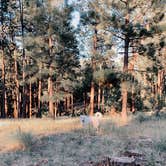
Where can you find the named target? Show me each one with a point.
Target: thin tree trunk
(30, 100)
(160, 77)
(99, 96)
(72, 102)
(3, 114)
(50, 92)
(132, 100)
(103, 101)
(15, 113)
(39, 97)
(92, 94)
(27, 106)
(65, 101)
(55, 109)
(126, 56)
(124, 101)
(15, 76)
(132, 92)
(6, 104)
(17, 109)
(24, 97)
(50, 81)
(3, 73)
(160, 82)
(68, 102)
(92, 91)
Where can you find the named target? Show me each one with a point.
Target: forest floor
(64, 142)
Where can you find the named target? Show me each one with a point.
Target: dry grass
(65, 142)
(38, 127)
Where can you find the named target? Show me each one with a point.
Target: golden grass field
(38, 127)
(65, 142)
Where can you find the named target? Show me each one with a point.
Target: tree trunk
(124, 83)
(27, 107)
(103, 101)
(15, 113)
(50, 92)
(124, 101)
(6, 105)
(50, 81)
(24, 97)
(92, 94)
(132, 100)
(160, 82)
(92, 91)
(125, 66)
(68, 102)
(30, 100)
(39, 97)
(99, 97)
(65, 101)
(55, 109)
(72, 102)
(17, 108)
(3, 113)
(126, 56)
(131, 70)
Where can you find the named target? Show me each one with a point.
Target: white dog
(91, 120)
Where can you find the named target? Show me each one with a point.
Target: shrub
(142, 118)
(161, 145)
(26, 139)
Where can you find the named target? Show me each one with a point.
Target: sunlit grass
(38, 127)
(66, 142)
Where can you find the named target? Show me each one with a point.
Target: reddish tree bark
(92, 91)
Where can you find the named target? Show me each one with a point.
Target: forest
(67, 58)
(82, 82)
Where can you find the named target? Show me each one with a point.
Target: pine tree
(122, 20)
(56, 52)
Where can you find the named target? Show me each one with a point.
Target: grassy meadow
(64, 142)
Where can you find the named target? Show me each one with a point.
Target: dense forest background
(70, 58)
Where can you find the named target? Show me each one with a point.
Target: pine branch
(115, 34)
(128, 52)
(125, 2)
(118, 36)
